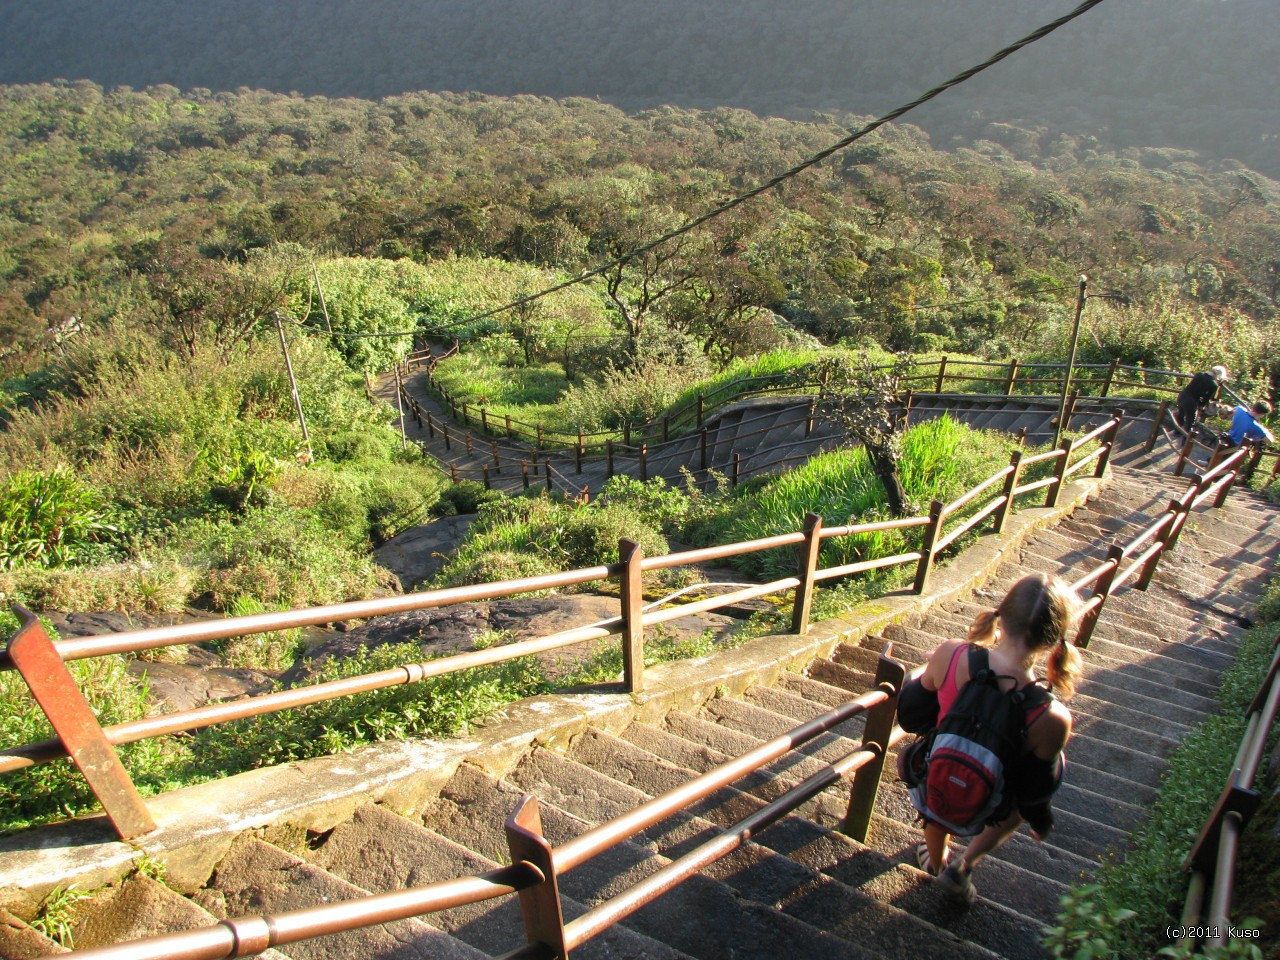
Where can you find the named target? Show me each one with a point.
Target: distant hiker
(1031, 621)
(1247, 425)
(1197, 395)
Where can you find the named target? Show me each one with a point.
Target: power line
(779, 179)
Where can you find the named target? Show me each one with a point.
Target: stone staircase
(800, 888)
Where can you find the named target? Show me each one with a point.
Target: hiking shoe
(957, 885)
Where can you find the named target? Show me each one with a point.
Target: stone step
(1102, 686)
(256, 878)
(714, 916)
(21, 941)
(382, 852)
(139, 907)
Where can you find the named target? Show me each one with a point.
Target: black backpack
(956, 773)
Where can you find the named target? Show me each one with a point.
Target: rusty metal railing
(1212, 859)
(77, 734)
(536, 867)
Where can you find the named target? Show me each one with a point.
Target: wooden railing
(536, 867)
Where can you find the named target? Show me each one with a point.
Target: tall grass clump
(440, 707)
(532, 536)
(940, 460)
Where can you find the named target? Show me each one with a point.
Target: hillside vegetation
(148, 240)
(1195, 74)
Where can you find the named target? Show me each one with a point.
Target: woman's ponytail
(983, 629)
(1064, 668)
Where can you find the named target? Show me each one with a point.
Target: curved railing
(536, 866)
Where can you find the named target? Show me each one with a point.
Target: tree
(866, 401)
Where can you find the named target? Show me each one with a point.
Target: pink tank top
(949, 690)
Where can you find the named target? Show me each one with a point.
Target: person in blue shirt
(1246, 424)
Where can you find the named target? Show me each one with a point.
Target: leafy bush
(465, 496)
(144, 586)
(49, 519)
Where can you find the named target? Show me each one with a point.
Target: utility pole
(320, 290)
(1071, 363)
(293, 384)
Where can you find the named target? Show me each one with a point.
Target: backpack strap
(1029, 696)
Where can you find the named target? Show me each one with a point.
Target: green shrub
(276, 556)
(534, 535)
(465, 496)
(139, 586)
(49, 519)
(53, 791)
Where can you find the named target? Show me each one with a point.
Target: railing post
(626, 433)
(497, 463)
(608, 458)
(1115, 556)
(484, 472)
(644, 462)
(701, 403)
(808, 557)
(1111, 373)
(484, 421)
(1109, 442)
(1149, 568)
(890, 675)
(907, 399)
(1185, 503)
(1161, 413)
(942, 375)
(666, 427)
(533, 456)
(539, 905)
(702, 448)
(1184, 455)
(539, 436)
(431, 427)
(1010, 484)
(1232, 477)
(33, 654)
(1255, 459)
(928, 539)
(632, 593)
(453, 472)
(737, 469)
(1060, 476)
(578, 453)
(444, 429)
(1013, 378)
(546, 468)
(524, 474)
(510, 434)
(808, 420)
(468, 438)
